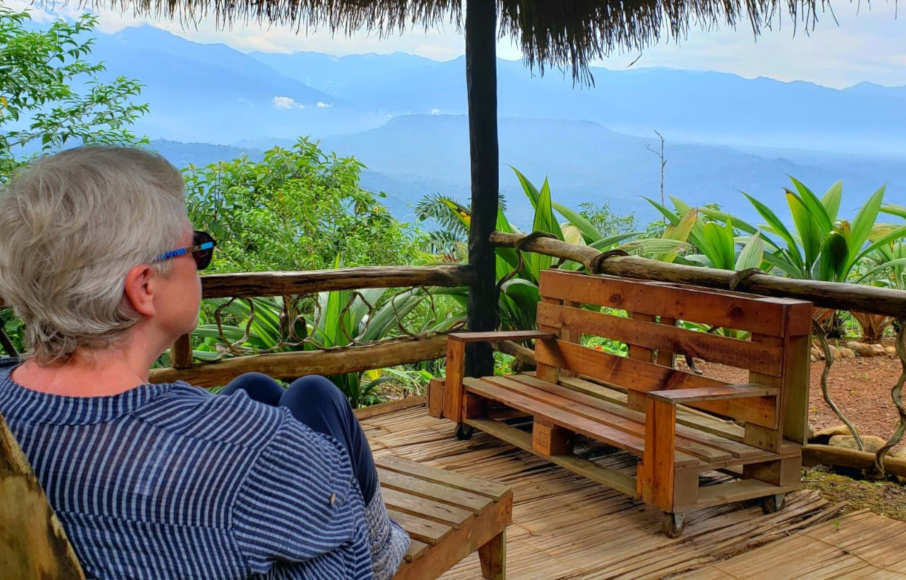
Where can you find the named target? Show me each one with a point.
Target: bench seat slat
(442, 476)
(422, 506)
(416, 549)
(552, 395)
(567, 419)
(421, 529)
(420, 487)
(685, 434)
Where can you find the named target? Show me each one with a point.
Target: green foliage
(40, 106)
(605, 221)
(823, 246)
(298, 209)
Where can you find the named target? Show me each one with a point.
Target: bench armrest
(746, 391)
(498, 335)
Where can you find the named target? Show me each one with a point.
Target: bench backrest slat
(653, 338)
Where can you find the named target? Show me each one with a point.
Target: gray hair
(71, 226)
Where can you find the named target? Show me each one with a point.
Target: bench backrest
(772, 347)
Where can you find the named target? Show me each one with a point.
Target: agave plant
(712, 234)
(824, 247)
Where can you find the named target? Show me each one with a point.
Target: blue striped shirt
(168, 481)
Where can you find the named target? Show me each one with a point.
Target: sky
(853, 42)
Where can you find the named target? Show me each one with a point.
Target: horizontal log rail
(291, 365)
(253, 284)
(836, 295)
(247, 285)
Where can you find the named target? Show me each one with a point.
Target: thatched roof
(560, 33)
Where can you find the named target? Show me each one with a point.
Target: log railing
(293, 286)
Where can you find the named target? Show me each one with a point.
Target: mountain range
(404, 117)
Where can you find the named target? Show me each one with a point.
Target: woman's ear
(139, 291)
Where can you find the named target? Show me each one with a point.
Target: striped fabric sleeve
(298, 501)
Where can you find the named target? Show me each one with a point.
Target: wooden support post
(481, 83)
(453, 390)
(549, 439)
(493, 557)
(656, 473)
(436, 398)
(181, 352)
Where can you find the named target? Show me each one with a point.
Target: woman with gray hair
(98, 258)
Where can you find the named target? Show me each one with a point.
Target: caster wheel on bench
(674, 524)
(773, 503)
(464, 432)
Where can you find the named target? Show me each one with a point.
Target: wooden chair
(447, 515)
(665, 417)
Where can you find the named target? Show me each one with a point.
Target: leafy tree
(50, 94)
(606, 220)
(298, 209)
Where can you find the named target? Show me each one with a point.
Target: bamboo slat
(568, 526)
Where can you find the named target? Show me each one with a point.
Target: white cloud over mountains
(287, 103)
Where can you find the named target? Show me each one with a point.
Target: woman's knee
(315, 391)
(259, 387)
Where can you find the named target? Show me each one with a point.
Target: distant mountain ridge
(402, 115)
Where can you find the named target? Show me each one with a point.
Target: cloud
(323, 105)
(287, 103)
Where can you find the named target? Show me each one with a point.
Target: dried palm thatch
(559, 33)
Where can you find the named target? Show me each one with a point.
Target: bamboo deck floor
(565, 526)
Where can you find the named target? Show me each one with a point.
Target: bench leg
(493, 557)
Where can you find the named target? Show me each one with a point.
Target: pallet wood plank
(714, 393)
(552, 394)
(455, 366)
(656, 472)
(564, 418)
(424, 507)
(446, 477)
(644, 335)
(420, 487)
(684, 432)
(498, 335)
(419, 528)
(609, 477)
(695, 304)
(642, 376)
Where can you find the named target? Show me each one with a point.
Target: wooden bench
(447, 516)
(673, 422)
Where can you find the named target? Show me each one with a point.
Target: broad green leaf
(863, 224)
(894, 209)
(816, 211)
(897, 234)
(752, 254)
(723, 216)
(831, 200)
(783, 263)
(672, 217)
(718, 246)
(587, 228)
(681, 230)
(531, 192)
(778, 227)
(606, 243)
(832, 259)
(656, 248)
(809, 234)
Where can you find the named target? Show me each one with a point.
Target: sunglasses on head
(202, 250)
